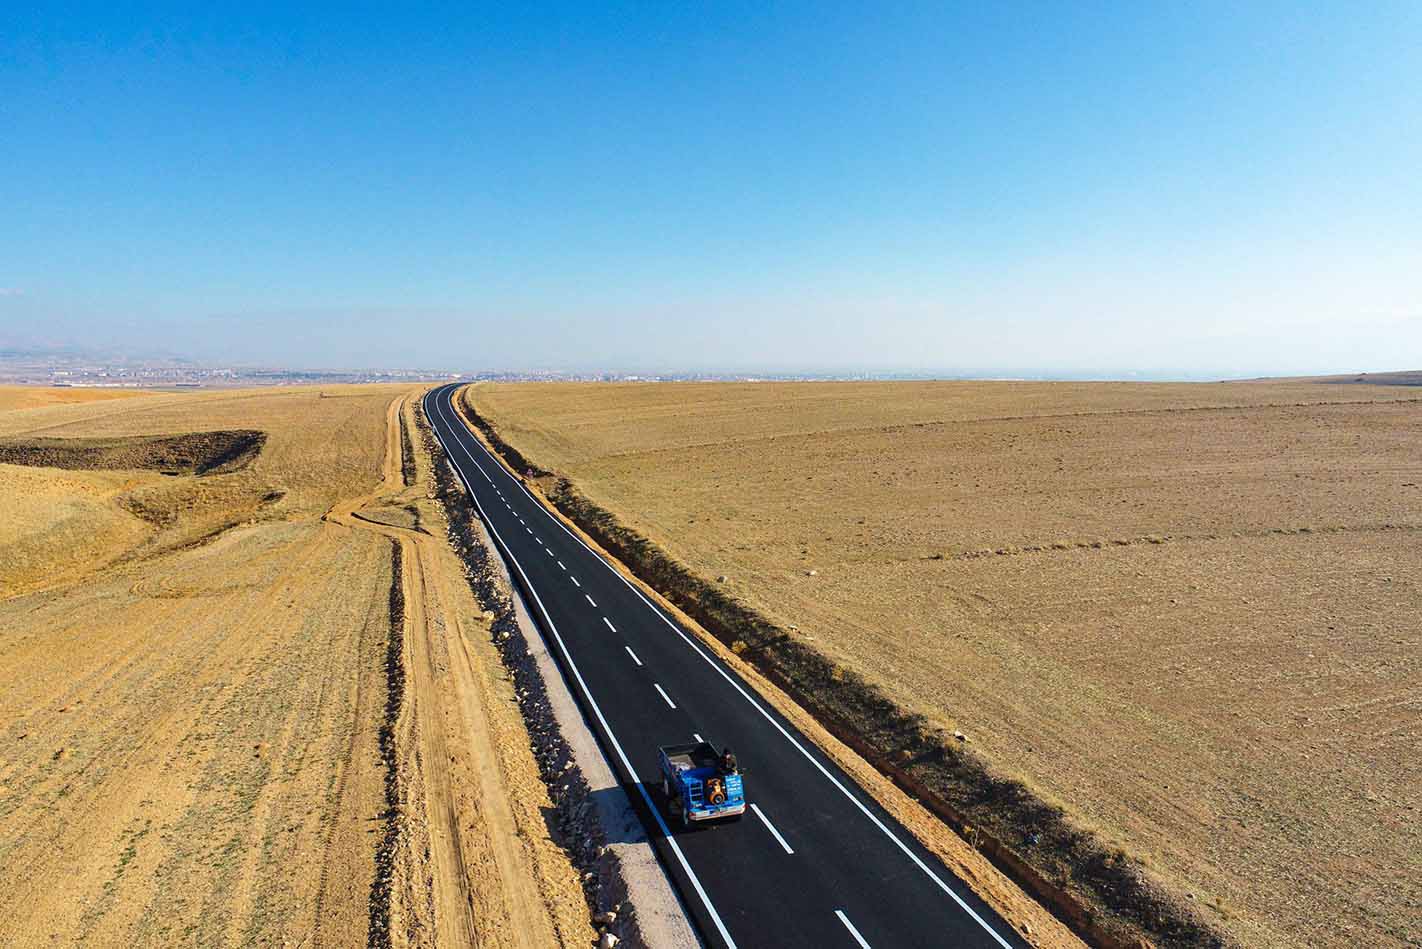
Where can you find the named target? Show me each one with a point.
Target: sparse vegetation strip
(1102, 893)
(407, 454)
(579, 832)
(1157, 539)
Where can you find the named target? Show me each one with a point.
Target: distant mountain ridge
(1402, 377)
(64, 353)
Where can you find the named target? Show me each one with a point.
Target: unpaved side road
(469, 858)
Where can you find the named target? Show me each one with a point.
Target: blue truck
(698, 785)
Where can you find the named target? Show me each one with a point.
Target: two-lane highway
(815, 862)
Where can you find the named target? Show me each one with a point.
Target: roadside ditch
(378, 930)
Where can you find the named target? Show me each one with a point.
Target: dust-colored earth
(198, 742)
(192, 453)
(1410, 377)
(29, 397)
(1189, 614)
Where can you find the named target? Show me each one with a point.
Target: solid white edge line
(771, 827)
(663, 693)
(590, 600)
(632, 654)
(609, 624)
(587, 693)
(864, 943)
(927, 870)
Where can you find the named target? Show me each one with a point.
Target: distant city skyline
(84, 366)
(1196, 192)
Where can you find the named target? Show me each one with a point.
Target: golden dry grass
(323, 446)
(1188, 613)
(195, 684)
(29, 397)
(56, 523)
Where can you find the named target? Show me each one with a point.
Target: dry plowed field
(1190, 615)
(245, 693)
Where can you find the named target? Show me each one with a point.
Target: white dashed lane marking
(609, 624)
(863, 943)
(664, 695)
(632, 654)
(771, 827)
(590, 600)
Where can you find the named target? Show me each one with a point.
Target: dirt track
(473, 864)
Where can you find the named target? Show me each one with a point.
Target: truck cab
(696, 784)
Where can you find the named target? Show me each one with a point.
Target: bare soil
(198, 676)
(1182, 616)
(194, 453)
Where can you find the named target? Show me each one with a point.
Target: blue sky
(1212, 188)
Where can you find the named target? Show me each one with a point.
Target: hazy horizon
(1208, 192)
(117, 358)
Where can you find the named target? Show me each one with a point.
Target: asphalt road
(816, 862)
